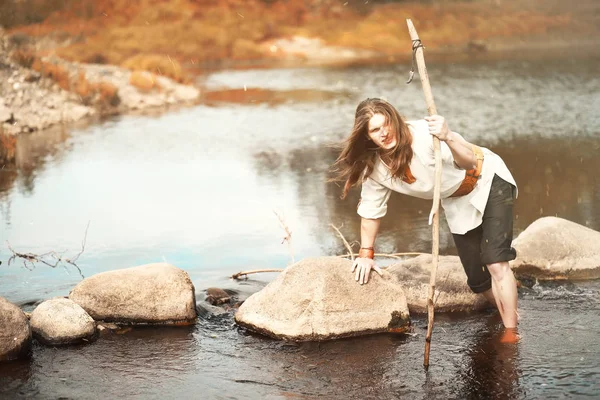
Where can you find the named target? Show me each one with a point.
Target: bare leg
(504, 288)
(489, 296)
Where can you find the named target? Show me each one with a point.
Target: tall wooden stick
(434, 216)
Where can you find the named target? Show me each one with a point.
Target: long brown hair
(359, 152)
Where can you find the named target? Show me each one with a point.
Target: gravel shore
(31, 101)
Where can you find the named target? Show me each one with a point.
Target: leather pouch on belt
(471, 176)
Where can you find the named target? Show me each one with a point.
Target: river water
(200, 188)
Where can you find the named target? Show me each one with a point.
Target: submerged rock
(217, 296)
(157, 293)
(451, 290)
(318, 299)
(15, 332)
(555, 248)
(61, 321)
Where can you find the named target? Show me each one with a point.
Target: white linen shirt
(463, 213)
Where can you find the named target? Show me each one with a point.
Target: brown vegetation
(101, 94)
(108, 95)
(143, 80)
(24, 57)
(54, 71)
(158, 64)
(158, 35)
(8, 146)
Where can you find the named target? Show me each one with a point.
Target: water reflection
(14, 376)
(492, 368)
(197, 188)
(257, 96)
(31, 153)
(555, 178)
(114, 361)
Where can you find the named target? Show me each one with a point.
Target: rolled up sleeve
(373, 199)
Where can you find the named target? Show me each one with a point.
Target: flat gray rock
(60, 321)
(451, 292)
(318, 299)
(15, 333)
(157, 293)
(554, 248)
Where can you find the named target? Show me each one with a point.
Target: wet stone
(157, 293)
(60, 321)
(554, 248)
(452, 294)
(15, 332)
(216, 296)
(318, 299)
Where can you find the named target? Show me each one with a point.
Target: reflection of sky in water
(197, 187)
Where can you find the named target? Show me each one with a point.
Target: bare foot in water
(510, 335)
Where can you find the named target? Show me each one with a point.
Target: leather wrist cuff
(366, 252)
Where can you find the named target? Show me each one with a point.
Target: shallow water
(198, 188)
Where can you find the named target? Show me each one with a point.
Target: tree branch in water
(344, 240)
(255, 271)
(30, 259)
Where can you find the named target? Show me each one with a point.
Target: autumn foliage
(160, 36)
(157, 64)
(54, 71)
(102, 94)
(143, 80)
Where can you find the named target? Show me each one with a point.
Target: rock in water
(61, 321)
(15, 333)
(318, 299)
(451, 290)
(217, 296)
(555, 248)
(148, 294)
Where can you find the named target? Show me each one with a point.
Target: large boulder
(61, 321)
(451, 290)
(318, 299)
(157, 293)
(554, 248)
(15, 333)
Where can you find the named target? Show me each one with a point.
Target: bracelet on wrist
(366, 252)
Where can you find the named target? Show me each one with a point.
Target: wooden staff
(434, 215)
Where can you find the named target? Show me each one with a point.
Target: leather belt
(471, 176)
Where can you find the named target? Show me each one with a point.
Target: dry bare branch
(389, 255)
(32, 258)
(348, 247)
(82, 246)
(288, 235)
(255, 271)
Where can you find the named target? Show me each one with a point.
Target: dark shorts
(491, 241)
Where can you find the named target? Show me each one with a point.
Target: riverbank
(40, 91)
(115, 58)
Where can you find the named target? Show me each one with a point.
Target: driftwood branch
(51, 258)
(389, 255)
(348, 247)
(254, 271)
(241, 274)
(82, 246)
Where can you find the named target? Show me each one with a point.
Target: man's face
(380, 134)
